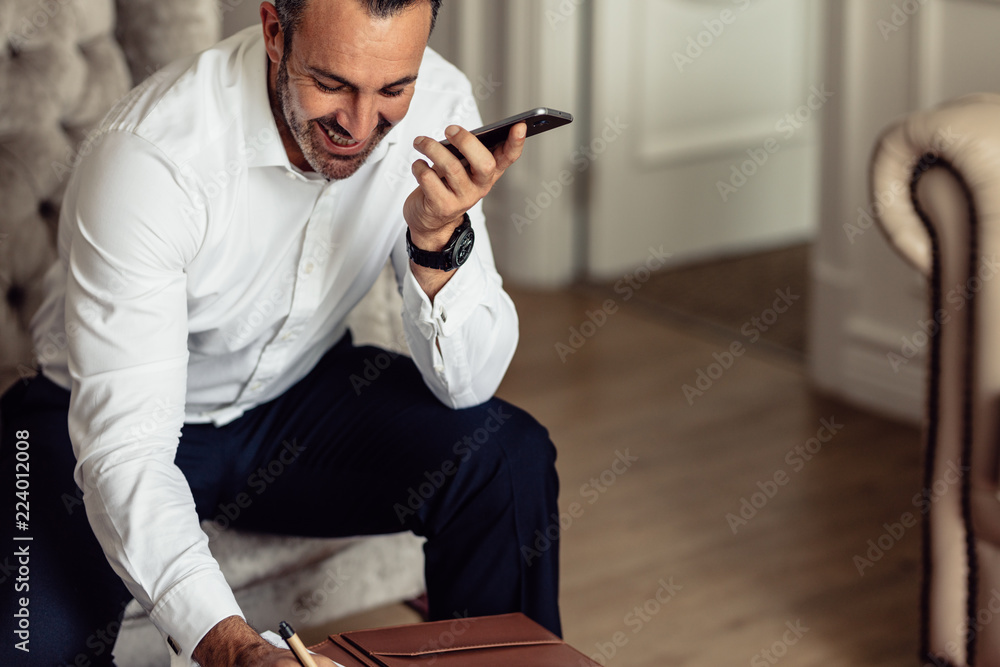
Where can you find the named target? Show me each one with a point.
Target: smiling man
(230, 213)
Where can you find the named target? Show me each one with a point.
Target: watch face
(464, 247)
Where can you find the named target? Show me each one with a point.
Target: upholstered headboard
(63, 64)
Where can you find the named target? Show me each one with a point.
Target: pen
(296, 645)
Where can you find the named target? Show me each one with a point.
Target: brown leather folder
(485, 641)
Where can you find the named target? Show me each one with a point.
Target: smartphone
(538, 120)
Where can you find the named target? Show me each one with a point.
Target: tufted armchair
(946, 164)
(63, 64)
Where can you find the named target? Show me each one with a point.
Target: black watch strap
(452, 256)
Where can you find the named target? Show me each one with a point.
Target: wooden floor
(664, 520)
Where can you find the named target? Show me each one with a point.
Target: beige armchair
(63, 64)
(946, 165)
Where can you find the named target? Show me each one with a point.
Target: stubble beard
(333, 167)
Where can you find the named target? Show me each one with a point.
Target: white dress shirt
(201, 274)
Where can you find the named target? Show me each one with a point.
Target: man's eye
(327, 89)
(392, 93)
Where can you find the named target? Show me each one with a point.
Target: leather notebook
(485, 641)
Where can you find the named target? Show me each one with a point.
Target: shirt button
(256, 386)
(290, 174)
(309, 268)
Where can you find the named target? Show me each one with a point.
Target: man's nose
(361, 118)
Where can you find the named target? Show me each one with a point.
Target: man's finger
(482, 163)
(447, 166)
(444, 161)
(510, 151)
(437, 195)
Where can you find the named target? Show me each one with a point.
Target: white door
(702, 128)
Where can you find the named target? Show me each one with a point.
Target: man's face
(347, 80)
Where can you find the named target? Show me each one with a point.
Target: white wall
(887, 62)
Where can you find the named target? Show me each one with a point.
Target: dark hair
(290, 12)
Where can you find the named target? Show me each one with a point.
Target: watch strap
(445, 259)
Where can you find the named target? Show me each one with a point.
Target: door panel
(691, 143)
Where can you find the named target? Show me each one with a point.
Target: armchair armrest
(935, 183)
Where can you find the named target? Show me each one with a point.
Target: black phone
(538, 120)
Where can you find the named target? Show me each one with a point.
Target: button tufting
(48, 211)
(16, 296)
(13, 50)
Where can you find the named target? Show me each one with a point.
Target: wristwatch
(454, 254)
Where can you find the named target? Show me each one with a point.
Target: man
(231, 212)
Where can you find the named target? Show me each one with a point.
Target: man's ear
(274, 37)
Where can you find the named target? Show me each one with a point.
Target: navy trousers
(347, 451)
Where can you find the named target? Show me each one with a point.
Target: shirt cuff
(192, 608)
(452, 306)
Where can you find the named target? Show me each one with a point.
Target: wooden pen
(296, 645)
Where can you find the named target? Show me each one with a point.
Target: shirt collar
(264, 147)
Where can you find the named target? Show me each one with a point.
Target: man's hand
(447, 190)
(233, 643)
